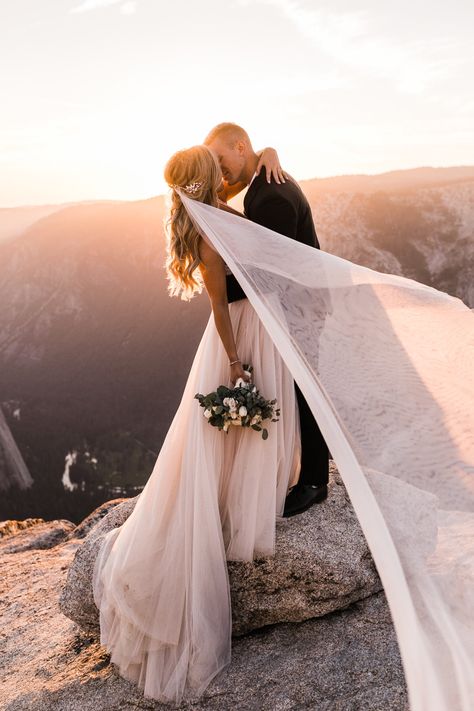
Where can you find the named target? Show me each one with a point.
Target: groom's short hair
(230, 133)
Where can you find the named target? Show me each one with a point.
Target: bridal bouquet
(241, 405)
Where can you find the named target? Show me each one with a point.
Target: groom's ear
(240, 147)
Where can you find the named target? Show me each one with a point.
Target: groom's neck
(250, 168)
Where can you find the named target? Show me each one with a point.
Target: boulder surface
(321, 564)
(346, 659)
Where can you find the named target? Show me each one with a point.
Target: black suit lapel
(252, 191)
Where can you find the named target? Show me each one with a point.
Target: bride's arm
(268, 160)
(213, 274)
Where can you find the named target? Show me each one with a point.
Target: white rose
(207, 413)
(241, 383)
(232, 404)
(225, 401)
(242, 410)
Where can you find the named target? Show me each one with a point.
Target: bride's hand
(236, 371)
(270, 161)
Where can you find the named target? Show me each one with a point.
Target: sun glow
(101, 94)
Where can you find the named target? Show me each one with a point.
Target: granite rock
(347, 660)
(312, 628)
(76, 600)
(321, 564)
(38, 534)
(85, 526)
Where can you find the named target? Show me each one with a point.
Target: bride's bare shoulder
(208, 255)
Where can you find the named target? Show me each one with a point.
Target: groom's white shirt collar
(253, 178)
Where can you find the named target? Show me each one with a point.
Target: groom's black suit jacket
(280, 207)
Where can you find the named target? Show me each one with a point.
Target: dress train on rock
(160, 580)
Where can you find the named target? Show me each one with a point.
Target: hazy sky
(97, 94)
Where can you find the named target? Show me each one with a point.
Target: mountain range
(93, 360)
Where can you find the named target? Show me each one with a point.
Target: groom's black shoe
(302, 496)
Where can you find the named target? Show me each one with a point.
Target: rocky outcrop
(83, 528)
(76, 600)
(10, 527)
(44, 535)
(310, 653)
(322, 564)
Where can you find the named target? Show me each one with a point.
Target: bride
(160, 581)
(387, 371)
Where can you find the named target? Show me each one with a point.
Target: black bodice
(234, 290)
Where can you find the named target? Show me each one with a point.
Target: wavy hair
(198, 166)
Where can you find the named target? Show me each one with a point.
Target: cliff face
(13, 470)
(87, 336)
(341, 653)
(424, 233)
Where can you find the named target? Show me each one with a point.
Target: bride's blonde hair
(197, 172)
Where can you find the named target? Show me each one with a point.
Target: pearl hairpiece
(192, 188)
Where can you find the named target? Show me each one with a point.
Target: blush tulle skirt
(160, 580)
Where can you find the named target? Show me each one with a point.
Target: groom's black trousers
(314, 450)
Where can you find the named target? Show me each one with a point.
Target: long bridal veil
(387, 367)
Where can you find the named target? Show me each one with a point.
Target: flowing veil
(387, 366)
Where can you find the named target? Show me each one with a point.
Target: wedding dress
(160, 580)
(386, 366)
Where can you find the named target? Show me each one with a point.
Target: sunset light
(237, 405)
(101, 92)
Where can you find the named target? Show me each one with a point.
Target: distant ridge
(392, 180)
(21, 216)
(15, 220)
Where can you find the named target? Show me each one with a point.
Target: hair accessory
(192, 188)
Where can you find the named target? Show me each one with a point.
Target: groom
(283, 208)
